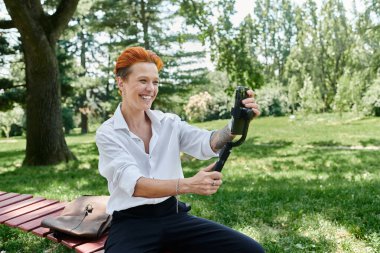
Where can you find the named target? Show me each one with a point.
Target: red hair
(132, 55)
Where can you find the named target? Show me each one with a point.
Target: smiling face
(140, 87)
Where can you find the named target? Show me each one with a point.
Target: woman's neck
(134, 118)
(139, 124)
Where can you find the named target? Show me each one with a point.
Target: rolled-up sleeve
(195, 141)
(116, 164)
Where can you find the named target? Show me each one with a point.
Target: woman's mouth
(146, 98)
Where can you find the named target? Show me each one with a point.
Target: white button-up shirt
(123, 160)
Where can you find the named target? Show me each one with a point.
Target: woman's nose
(149, 86)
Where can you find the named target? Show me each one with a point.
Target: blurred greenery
(307, 184)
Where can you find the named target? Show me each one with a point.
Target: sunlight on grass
(290, 185)
(319, 229)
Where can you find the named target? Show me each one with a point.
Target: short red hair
(132, 55)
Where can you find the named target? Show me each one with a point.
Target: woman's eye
(143, 81)
(156, 83)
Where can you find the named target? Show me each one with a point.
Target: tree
(39, 34)
(372, 98)
(350, 90)
(237, 56)
(310, 97)
(150, 24)
(12, 91)
(335, 40)
(78, 41)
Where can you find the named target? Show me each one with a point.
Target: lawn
(311, 184)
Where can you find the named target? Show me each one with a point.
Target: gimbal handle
(226, 150)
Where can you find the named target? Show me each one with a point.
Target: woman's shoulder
(106, 126)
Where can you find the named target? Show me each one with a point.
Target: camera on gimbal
(240, 115)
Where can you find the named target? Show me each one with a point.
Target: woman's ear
(120, 83)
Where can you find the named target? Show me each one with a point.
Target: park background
(307, 178)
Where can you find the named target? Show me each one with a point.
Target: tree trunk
(84, 113)
(84, 122)
(45, 141)
(145, 24)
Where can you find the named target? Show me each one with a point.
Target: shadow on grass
(251, 149)
(370, 142)
(16, 240)
(336, 187)
(10, 156)
(326, 143)
(63, 181)
(280, 143)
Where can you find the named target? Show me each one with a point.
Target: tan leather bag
(83, 217)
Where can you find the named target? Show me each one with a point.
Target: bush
(10, 118)
(371, 99)
(16, 130)
(68, 119)
(272, 100)
(310, 97)
(204, 107)
(349, 93)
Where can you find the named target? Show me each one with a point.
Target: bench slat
(25, 210)
(15, 200)
(19, 205)
(8, 196)
(72, 242)
(41, 231)
(35, 214)
(91, 247)
(30, 225)
(53, 238)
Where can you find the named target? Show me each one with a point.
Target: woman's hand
(205, 182)
(250, 102)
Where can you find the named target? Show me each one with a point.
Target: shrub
(371, 99)
(204, 107)
(310, 97)
(349, 93)
(68, 119)
(272, 100)
(16, 130)
(11, 118)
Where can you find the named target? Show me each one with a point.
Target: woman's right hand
(205, 182)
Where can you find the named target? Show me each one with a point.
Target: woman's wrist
(183, 186)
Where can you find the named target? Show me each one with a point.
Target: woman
(139, 155)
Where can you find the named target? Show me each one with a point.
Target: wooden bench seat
(26, 212)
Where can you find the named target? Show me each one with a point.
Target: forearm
(205, 182)
(220, 137)
(158, 188)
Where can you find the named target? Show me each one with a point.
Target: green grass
(305, 185)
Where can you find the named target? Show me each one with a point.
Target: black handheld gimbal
(241, 117)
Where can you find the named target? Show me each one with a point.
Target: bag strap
(88, 209)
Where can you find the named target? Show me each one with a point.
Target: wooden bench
(26, 212)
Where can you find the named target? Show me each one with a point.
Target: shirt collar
(155, 117)
(119, 121)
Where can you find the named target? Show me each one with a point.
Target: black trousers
(159, 228)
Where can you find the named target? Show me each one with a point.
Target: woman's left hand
(250, 102)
